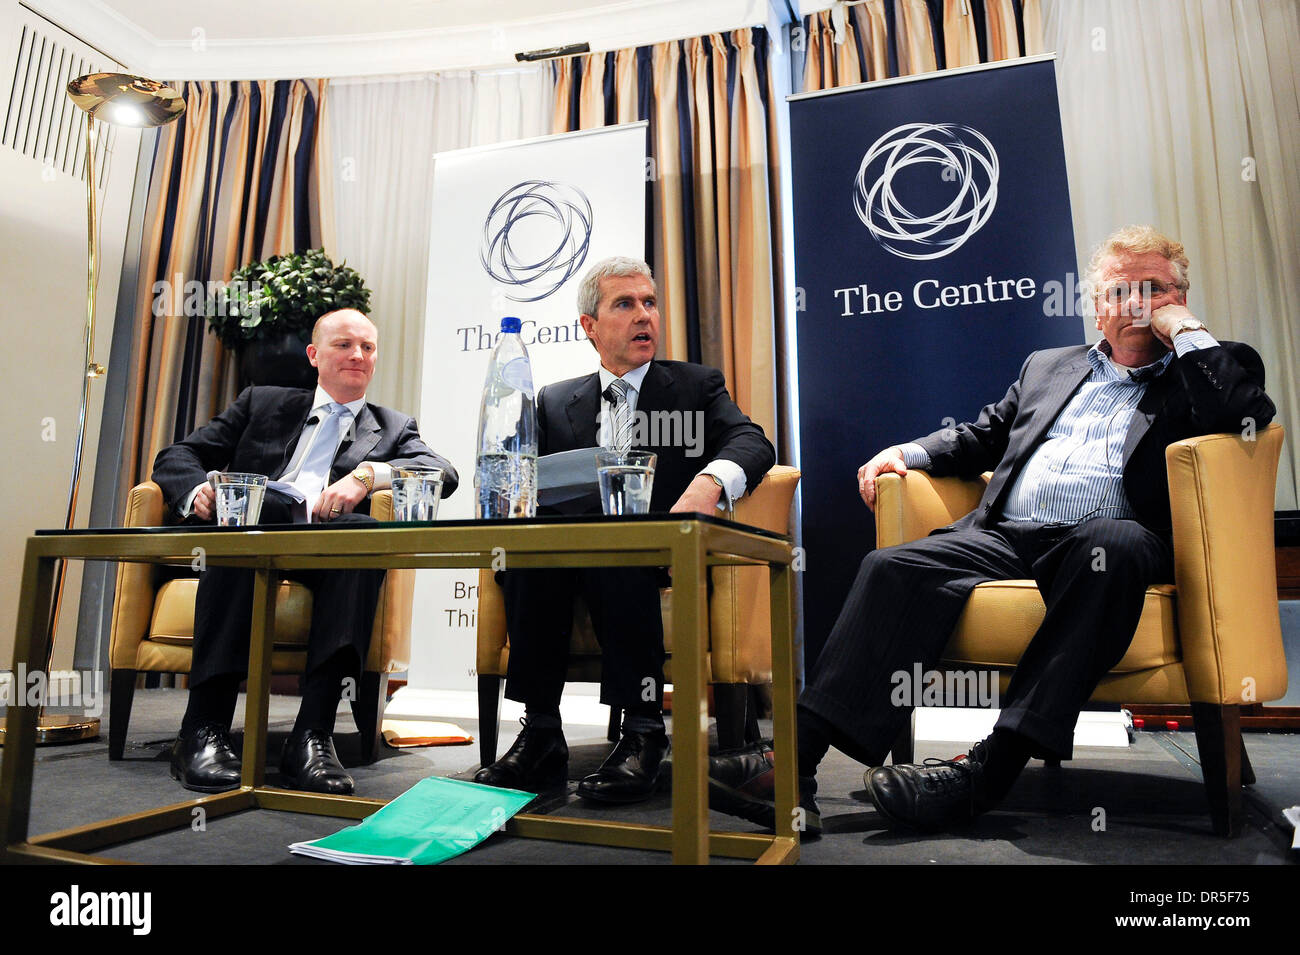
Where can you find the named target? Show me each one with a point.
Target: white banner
(515, 227)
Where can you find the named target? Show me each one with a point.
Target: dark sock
(321, 691)
(543, 716)
(643, 721)
(212, 701)
(814, 738)
(1006, 753)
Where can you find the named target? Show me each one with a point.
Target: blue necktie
(313, 475)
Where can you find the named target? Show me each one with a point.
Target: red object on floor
(1171, 724)
(1139, 723)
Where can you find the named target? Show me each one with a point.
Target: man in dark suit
(1076, 447)
(709, 454)
(336, 449)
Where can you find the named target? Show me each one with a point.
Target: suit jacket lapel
(365, 435)
(1153, 399)
(581, 409)
(656, 389)
(1062, 385)
(294, 411)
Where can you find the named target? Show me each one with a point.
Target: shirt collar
(322, 398)
(1099, 356)
(633, 378)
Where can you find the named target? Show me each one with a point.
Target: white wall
(42, 315)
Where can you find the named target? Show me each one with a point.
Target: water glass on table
(626, 481)
(416, 493)
(239, 498)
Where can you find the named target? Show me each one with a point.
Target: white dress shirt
(383, 473)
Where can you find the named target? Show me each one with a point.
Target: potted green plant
(266, 311)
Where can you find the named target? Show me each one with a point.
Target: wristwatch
(718, 481)
(366, 478)
(1188, 325)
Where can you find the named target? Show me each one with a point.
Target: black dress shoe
(536, 762)
(743, 784)
(936, 794)
(631, 772)
(309, 762)
(204, 760)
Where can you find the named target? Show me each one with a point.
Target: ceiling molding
(100, 26)
(606, 26)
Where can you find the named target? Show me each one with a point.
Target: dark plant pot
(278, 360)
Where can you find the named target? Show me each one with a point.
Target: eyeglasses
(1117, 293)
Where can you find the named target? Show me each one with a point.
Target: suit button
(988, 506)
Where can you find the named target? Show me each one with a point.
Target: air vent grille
(39, 120)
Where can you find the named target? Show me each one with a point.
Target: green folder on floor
(433, 821)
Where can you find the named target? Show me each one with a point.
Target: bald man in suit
(336, 449)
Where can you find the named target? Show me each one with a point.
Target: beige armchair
(1212, 639)
(740, 653)
(153, 628)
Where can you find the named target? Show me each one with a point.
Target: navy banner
(934, 250)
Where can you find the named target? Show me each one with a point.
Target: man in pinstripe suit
(1076, 447)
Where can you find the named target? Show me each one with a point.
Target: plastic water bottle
(505, 473)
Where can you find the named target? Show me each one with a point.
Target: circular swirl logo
(535, 237)
(967, 167)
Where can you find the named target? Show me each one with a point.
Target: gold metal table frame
(687, 544)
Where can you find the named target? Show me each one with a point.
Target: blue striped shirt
(1077, 471)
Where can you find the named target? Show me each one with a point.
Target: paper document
(566, 476)
(433, 821)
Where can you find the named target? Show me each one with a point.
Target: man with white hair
(711, 457)
(1076, 447)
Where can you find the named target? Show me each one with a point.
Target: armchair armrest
(908, 508)
(135, 588)
(491, 639)
(1221, 494)
(740, 621)
(390, 640)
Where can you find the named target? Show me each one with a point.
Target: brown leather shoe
(743, 784)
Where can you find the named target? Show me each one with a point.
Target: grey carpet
(1150, 796)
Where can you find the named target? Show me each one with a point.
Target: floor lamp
(119, 100)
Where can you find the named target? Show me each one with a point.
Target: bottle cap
(511, 324)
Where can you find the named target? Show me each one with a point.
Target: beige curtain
(859, 50)
(225, 190)
(713, 219)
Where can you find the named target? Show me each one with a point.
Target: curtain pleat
(887, 38)
(960, 46)
(236, 179)
(713, 195)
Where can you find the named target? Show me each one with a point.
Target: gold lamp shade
(124, 100)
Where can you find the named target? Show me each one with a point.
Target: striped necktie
(620, 430)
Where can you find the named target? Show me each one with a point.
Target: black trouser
(906, 600)
(343, 608)
(624, 606)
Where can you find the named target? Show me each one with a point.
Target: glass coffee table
(688, 544)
